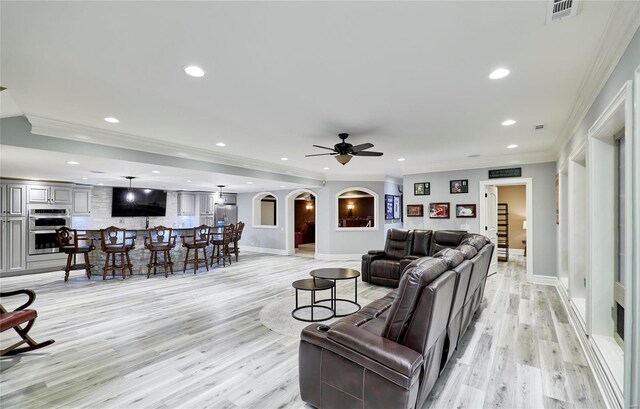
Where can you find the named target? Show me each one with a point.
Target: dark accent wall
(302, 215)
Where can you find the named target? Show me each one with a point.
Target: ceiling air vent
(560, 9)
(538, 127)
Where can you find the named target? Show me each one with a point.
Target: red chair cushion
(11, 319)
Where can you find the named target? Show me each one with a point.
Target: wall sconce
(524, 225)
(350, 207)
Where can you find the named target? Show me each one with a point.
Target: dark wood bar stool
(237, 235)
(160, 240)
(69, 243)
(221, 244)
(115, 241)
(199, 241)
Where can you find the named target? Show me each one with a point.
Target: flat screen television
(147, 202)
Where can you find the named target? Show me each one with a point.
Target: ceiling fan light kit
(344, 151)
(343, 159)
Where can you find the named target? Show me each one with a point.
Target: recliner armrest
(374, 255)
(405, 261)
(376, 252)
(390, 354)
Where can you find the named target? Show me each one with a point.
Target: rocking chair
(14, 319)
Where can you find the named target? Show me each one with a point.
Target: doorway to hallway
(506, 218)
(301, 211)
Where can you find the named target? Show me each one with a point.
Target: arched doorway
(301, 212)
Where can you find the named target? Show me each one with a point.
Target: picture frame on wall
(388, 207)
(439, 210)
(416, 210)
(396, 207)
(422, 189)
(466, 210)
(459, 186)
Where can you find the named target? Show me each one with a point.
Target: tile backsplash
(101, 214)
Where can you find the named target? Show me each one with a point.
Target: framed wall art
(415, 210)
(439, 210)
(388, 207)
(421, 189)
(459, 186)
(396, 207)
(466, 210)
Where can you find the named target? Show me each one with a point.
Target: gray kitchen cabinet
(49, 194)
(13, 244)
(13, 200)
(186, 204)
(81, 205)
(207, 204)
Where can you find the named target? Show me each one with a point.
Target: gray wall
(330, 241)
(260, 237)
(623, 72)
(543, 176)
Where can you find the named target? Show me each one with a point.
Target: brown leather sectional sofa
(391, 352)
(384, 267)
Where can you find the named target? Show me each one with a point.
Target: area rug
(277, 314)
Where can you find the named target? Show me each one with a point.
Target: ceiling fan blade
(367, 153)
(362, 147)
(323, 147)
(321, 154)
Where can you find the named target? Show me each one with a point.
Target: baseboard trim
(266, 250)
(543, 280)
(612, 399)
(338, 257)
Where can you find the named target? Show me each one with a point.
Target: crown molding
(76, 132)
(620, 29)
(483, 162)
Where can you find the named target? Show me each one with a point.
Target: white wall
(543, 176)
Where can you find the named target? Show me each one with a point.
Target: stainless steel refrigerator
(225, 214)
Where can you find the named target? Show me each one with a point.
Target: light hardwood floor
(196, 341)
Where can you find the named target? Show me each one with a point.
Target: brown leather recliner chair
(383, 267)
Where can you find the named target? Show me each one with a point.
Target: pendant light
(219, 198)
(130, 196)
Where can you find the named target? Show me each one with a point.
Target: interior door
(491, 220)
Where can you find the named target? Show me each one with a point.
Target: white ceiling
(410, 77)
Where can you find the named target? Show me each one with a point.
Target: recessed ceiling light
(282, 186)
(147, 190)
(72, 162)
(101, 184)
(188, 181)
(85, 178)
(401, 159)
(508, 122)
(512, 146)
(112, 120)
(475, 155)
(284, 158)
(35, 179)
(499, 73)
(325, 168)
(96, 171)
(194, 71)
(155, 171)
(221, 144)
(249, 183)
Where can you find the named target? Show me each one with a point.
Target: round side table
(335, 274)
(312, 285)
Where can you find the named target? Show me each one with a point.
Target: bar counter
(139, 255)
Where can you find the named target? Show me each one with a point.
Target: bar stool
(160, 240)
(221, 244)
(237, 235)
(199, 241)
(115, 241)
(69, 243)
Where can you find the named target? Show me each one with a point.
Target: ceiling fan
(344, 151)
